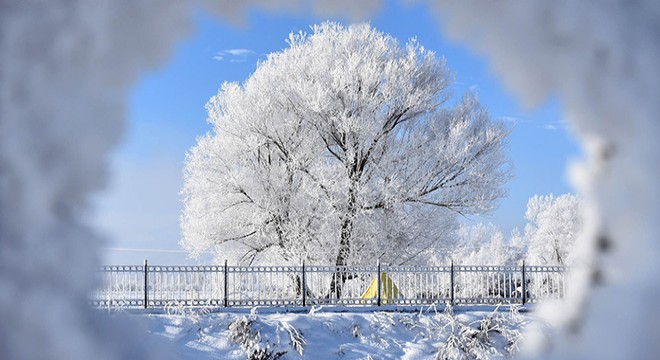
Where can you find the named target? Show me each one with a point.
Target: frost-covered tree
(554, 224)
(342, 148)
(484, 244)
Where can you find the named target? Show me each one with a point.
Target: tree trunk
(340, 275)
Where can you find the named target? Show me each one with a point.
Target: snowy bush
(494, 336)
(243, 332)
(179, 308)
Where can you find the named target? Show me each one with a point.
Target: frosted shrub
(243, 332)
(179, 308)
(296, 339)
(494, 336)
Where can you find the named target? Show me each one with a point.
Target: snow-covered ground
(332, 334)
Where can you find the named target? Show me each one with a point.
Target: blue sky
(140, 209)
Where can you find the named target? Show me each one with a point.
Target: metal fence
(246, 286)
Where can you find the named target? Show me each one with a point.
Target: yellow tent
(388, 289)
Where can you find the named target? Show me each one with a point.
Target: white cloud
(233, 55)
(239, 52)
(509, 119)
(513, 119)
(556, 125)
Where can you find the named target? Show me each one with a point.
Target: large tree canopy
(343, 148)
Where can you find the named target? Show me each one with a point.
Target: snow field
(427, 334)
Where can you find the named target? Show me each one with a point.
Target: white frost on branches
(554, 225)
(483, 244)
(341, 148)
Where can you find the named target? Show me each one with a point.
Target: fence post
(304, 285)
(226, 300)
(146, 283)
(379, 283)
(524, 284)
(451, 281)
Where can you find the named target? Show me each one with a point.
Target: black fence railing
(306, 285)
